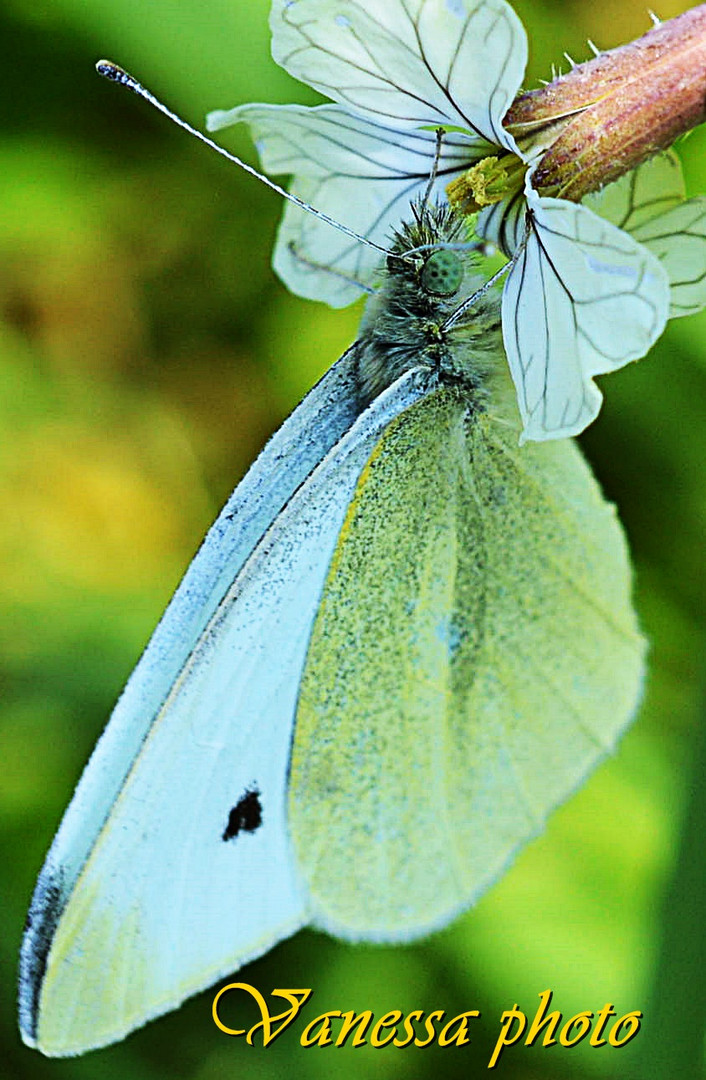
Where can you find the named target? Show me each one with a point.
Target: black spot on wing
(246, 815)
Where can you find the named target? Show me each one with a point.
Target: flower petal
(649, 203)
(352, 169)
(503, 223)
(678, 239)
(582, 298)
(408, 62)
(642, 194)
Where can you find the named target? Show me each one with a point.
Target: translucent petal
(408, 62)
(503, 223)
(678, 239)
(351, 168)
(640, 195)
(649, 203)
(582, 298)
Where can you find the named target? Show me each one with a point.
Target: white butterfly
(402, 643)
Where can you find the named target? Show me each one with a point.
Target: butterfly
(403, 642)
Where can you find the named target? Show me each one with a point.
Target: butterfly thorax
(404, 326)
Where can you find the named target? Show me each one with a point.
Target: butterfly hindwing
(492, 649)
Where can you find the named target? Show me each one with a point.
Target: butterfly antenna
(456, 315)
(434, 168)
(292, 248)
(116, 74)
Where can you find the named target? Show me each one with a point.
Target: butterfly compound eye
(442, 273)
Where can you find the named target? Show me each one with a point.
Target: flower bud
(605, 117)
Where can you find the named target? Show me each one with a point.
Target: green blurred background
(146, 352)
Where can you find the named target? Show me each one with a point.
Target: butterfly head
(427, 276)
(442, 273)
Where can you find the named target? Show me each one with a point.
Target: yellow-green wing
(474, 655)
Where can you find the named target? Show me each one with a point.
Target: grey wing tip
(44, 913)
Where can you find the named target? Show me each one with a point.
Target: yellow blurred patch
(90, 511)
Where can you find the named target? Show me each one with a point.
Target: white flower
(583, 295)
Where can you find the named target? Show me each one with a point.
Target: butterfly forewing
(172, 892)
(287, 460)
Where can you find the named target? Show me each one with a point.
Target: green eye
(442, 273)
